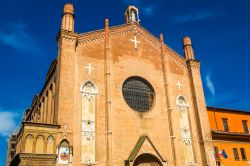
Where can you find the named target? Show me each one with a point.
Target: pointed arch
(181, 101)
(89, 87)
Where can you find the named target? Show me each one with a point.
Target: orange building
(230, 132)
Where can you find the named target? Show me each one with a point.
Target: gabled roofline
(100, 35)
(138, 146)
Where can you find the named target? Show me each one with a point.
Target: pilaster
(45, 107)
(200, 110)
(108, 95)
(168, 104)
(53, 104)
(49, 106)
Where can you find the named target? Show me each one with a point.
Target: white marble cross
(135, 41)
(179, 84)
(89, 67)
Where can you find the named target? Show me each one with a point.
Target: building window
(236, 154)
(216, 152)
(218, 163)
(185, 130)
(138, 94)
(225, 124)
(89, 95)
(243, 153)
(245, 127)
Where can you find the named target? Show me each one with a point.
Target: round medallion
(138, 94)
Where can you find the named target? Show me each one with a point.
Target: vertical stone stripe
(67, 22)
(52, 104)
(49, 107)
(42, 111)
(45, 145)
(108, 94)
(45, 108)
(68, 18)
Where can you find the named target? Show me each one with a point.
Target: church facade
(118, 96)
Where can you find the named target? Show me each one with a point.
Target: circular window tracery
(138, 94)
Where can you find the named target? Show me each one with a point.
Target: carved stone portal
(147, 159)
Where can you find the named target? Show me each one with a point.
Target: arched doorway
(147, 159)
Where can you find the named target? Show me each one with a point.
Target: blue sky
(220, 31)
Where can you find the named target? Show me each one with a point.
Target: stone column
(199, 103)
(65, 84)
(34, 144)
(187, 48)
(45, 144)
(68, 18)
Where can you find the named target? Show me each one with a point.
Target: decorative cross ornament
(135, 41)
(179, 84)
(89, 67)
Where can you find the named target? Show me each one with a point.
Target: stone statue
(133, 17)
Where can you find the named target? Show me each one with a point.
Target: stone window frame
(95, 92)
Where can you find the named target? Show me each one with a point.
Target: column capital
(195, 64)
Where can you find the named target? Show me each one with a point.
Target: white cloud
(8, 122)
(210, 84)
(15, 36)
(149, 10)
(195, 16)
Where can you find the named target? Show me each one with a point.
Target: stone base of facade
(27, 159)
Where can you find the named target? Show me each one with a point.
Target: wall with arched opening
(50, 145)
(40, 145)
